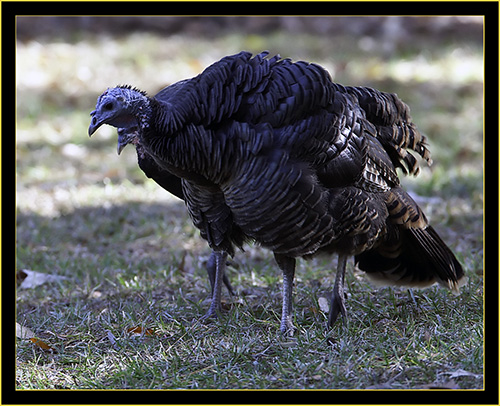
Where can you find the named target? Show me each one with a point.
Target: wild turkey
(274, 151)
(166, 180)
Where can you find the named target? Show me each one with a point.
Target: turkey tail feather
(423, 260)
(448, 271)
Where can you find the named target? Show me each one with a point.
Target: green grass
(418, 339)
(132, 258)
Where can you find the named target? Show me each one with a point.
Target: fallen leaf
(20, 276)
(42, 345)
(324, 306)
(460, 372)
(26, 333)
(138, 330)
(23, 332)
(95, 294)
(34, 279)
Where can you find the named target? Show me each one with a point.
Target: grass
(132, 258)
(393, 339)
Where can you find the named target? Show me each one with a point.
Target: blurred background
(66, 181)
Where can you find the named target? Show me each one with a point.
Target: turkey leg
(220, 265)
(337, 304)
(211, 269)
(287, 266)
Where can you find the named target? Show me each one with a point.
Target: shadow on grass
(127, 235)
(133, 264)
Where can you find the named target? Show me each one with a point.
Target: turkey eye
(108, 106)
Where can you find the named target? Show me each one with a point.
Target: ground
(123, 309)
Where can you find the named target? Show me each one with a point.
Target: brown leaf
(26, 333)
(138, 330)
(42, 345)
(20, 276)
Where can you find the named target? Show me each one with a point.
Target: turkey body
(273, 151)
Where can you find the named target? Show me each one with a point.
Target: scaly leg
(211, 275)
(287, 266)
(220, 265)
(337, 304)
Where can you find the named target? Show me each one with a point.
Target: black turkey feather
(273, 151)
(161, 176)
(165, 179)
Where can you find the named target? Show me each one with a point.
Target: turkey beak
(120, 147)
(122, 143)
(95, 123)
